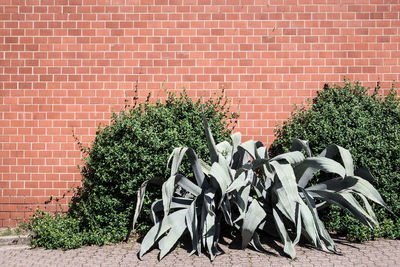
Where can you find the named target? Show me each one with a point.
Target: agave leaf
(236, 140)
(186, 184)
(368, 206)
(192, 225)
(259, 188)
(176, 156)
(370, 219)
(221, 177)
(196, 167)
(156, 207)
(298, 224)
(285, 189)
(225, 149)
(287, 242)
(254, 215)
(293, 158)
(209, 203)
(205, 167)
(139, 202)
(256, 244)
(226, 210)
(264, 166)
(364, 173)
(300, 145)
(306, 169)
(181, 203)
(263, 152)
(168, 241)
(308, 223)
(224, 146)
(210, 142)
(257, 163)
(251, 147)
(176, 203)
(351, 183)
(348, 202)
(285, 202)
(333, 150)
(217, 227)
(322, 232)
(287, 177)
(208, 222)
(322, 205)
(241, 200)
(237, 183)
(168, 191)
(240, 158)
(169, 186)
(159, 229)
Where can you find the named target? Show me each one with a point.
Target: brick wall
(65, 65)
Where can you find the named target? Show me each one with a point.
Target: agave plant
(291, 205)
(270, 195)
(198, 207)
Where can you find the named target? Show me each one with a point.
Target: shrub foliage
(367, 125)
(134, 148)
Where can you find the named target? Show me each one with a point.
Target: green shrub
(132, 149)
(367, 125)
(55, 231)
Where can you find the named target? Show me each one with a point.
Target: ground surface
(373, 253)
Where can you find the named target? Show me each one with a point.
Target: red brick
(68, 66)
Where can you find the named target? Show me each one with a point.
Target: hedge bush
(132, 149)
(367, 125)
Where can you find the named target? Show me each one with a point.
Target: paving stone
(373, 253)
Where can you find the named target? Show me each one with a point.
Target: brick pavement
(373, 253)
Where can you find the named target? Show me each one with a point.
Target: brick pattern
(382, 253)
(66, 64)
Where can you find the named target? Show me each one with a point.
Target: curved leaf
(176, 203)
(210, 141)
(287, 242)
(193, 227)
(176, 156)
(208, 223)
(168, 190)
(168, 241)
(139, 202)
(333, 150)
(225, 149)
(285, 189)
(300, 145)
(158, 230)
(351, 183)
(256, 244)
(364, 173)
(348, 202)
(241, 201)
(196, 167)
(321, 230)
(186, 184)
(305, 170)
(293, 158)
(254, 215)
(263, 152)
(221, 177)
(205, 167)
(251, 147)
